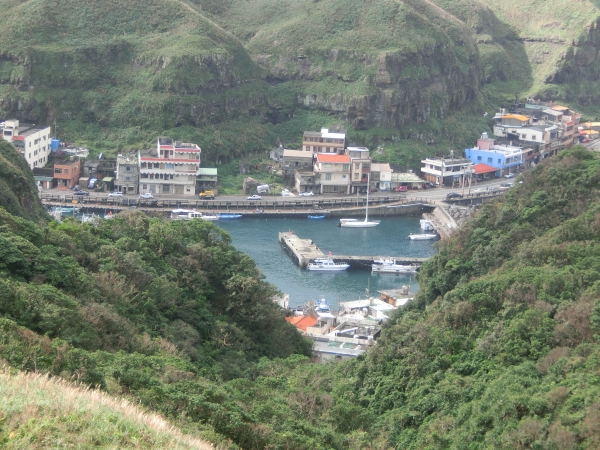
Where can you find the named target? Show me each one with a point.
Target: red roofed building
(302, 322)
(334, 173)
(171, 169)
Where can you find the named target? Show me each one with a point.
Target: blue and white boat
(322, 306)
(229, 216)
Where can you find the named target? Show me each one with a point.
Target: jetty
(303, 251)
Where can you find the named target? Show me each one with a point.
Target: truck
(207, 195)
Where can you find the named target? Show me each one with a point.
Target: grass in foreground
(41, 412)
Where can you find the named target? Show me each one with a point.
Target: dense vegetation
(499, 349)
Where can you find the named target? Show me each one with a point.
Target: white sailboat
(364, 223)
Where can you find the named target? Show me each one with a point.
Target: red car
(401, 189)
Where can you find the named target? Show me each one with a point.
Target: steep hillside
(373, 64)
(121, 64)
(51, 413)
(18, 194)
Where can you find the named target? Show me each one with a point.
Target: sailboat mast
(368, 186)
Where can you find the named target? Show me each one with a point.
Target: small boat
(390, 266)
(422, 237)
(229, 216)
(362, 223)
(326, 265)
(322, 306)
(347, 220)
(426, 225)
(316, 217)
(66, 209)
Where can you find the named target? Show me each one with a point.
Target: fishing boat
(363, 223)
(322, 306)
(326, 265)
(229, 216)
(426, 225)
(422, 237)
(187, 214)
(316, 217)
(390, 266)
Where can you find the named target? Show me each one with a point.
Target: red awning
(483, 168)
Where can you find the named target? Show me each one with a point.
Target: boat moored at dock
(326, 265)
(426, 225)
(189, 214)
(390, 266)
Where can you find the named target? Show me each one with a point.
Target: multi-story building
(307, 181)
(32, 141)
(323, 141)
(127, 174)
(334, 172)
(66, 173)
(381, 176)
(297, 160)
(446, 171)
(170, 169)
(504, 158)
(99, 168)
(360, 168)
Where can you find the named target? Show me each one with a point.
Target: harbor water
(258, 238)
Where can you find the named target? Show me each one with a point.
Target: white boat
(89, 218)
(426, 225)
(322, 306)
(422, 237)
(347, 220)
(363, 223)
(390, 266)
(326, 265)
(189, 214)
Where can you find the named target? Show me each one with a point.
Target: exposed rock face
(581, 61)
(404, 88)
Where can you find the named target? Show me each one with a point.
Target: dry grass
(41, 412)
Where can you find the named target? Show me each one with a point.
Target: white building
(334, 171)
(32, 141)
(445, 171)
(323, 142)
(171, 169)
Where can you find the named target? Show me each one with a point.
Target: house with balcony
(447, 171)
(170, 169)
(360, 168)
(127, 174)
(334, 172)
(207, 179)
(33, 142)
(307, 181)
(66, 173)
(324, 141)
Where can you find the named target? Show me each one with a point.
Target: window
(356, 166)
(479, 158)
(156, 165)
(66, 171)
(127, 178)
(499, 161)
(523, 136)
(327, 176)
(166, 188)
(356, 176)
(128, 168)
(344, 176)
(489, 160)
(327, 166)
(144, 186)
(346, 168)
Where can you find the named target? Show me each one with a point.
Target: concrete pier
(304, 251)
(301, 250)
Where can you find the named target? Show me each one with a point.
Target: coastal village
(324, 165)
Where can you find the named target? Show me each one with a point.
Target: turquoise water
(258, 238)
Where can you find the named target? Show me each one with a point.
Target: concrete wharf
(302, 251)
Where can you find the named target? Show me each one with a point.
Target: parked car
(81, 192)
(509, 175)
(116, 194)
(146, 195)
(401, 189)
(255, 197)
(507, 184)
(207, 195)
(306, 194)
(480, 190)
(452, 195)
